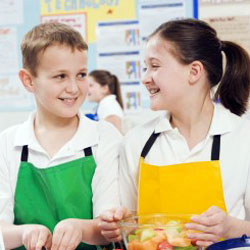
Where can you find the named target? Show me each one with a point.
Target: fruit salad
(171, 236)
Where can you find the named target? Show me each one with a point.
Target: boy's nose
(72, 86)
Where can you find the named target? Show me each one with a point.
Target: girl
(104, 88)
(195, 158)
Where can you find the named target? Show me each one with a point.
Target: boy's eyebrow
(65, 70)
(83, 69)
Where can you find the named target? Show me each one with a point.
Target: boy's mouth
(68, 100)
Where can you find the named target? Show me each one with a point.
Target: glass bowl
(156, 232)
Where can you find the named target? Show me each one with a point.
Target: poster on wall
(163, 10)
(118, 36)
(232, 28)
(220, 2)
(118, 47)
(126, 65)
(8, 50)
(13, 96)
(11, 12)
(131, 96)
(77, 21)
(96, 11)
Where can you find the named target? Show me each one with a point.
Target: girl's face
(96, 91)
(165, 77)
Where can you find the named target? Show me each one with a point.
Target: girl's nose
(146, 77)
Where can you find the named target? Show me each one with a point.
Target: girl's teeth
(153, 91)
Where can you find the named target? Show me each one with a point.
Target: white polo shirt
(171, 148)
(109, 106)
(89, 134)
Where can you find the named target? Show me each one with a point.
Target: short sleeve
(105, 180)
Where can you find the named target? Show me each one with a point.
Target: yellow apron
(188, 188)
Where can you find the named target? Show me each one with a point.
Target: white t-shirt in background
(109, 106)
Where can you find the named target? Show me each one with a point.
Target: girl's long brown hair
(196, 40)
(105, 78)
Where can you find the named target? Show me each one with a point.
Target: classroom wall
(31, 17)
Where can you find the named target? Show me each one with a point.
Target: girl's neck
(194, 122)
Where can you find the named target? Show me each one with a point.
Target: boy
(54, 166)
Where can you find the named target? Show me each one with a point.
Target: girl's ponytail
(117, 90)
(105, 78)
(234, 88)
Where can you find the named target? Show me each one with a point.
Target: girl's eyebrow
(153, 58)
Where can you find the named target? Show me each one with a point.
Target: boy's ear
(27, 80)
(195, 72)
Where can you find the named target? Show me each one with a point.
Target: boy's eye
(144, 69)
(82, 75)
(61, 76)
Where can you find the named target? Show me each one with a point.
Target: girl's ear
(27, 80)
(105, 90)
(195, 72)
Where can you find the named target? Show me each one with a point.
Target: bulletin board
(230, 18)
(19, 16)
(15, 20)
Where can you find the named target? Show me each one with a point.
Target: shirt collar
(25, 132)
(108, 98)
(163, 123)
(222, 122)
(86, 135)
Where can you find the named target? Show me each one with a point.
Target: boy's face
(61, 84)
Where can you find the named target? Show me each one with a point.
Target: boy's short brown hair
(42, 36)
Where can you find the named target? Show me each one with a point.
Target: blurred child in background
(104, 88)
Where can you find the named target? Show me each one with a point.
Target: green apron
(47, 196)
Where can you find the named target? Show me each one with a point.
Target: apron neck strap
(88, 151)
(149, 144)
(25, 153)
(215, 154)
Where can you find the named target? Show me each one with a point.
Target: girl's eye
(144, 69)
(154, 66)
